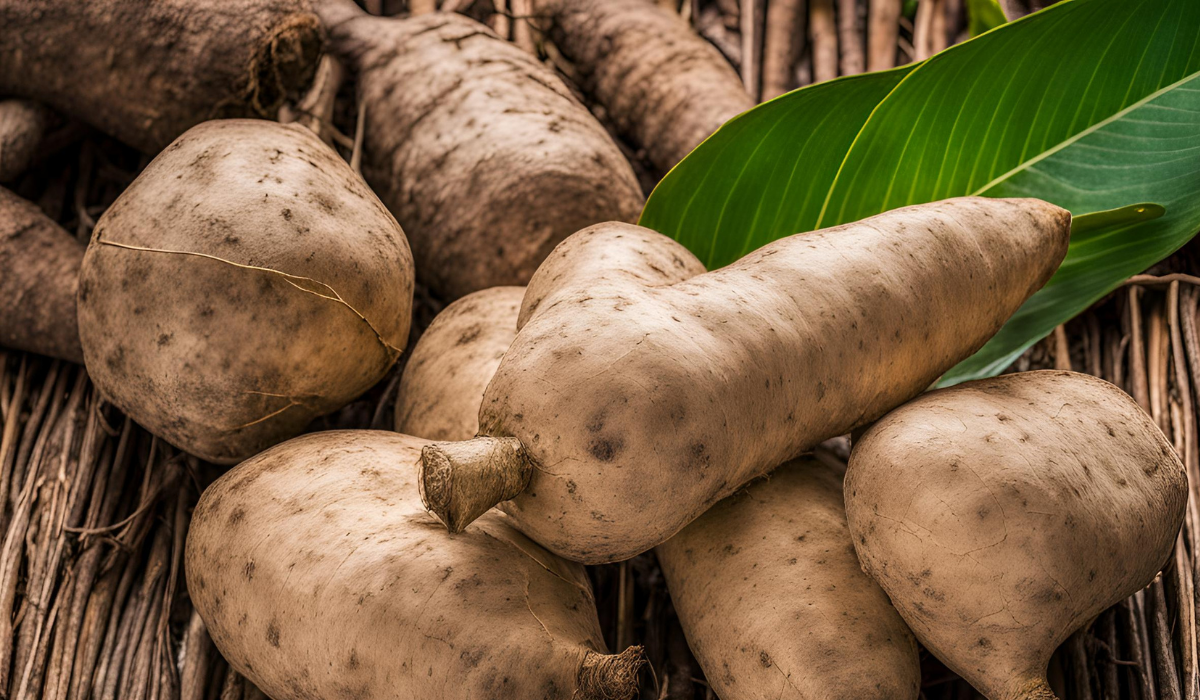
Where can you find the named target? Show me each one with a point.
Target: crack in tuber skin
(39, 274)
(202, 356)
(644, 391)
(1004, 514)
(663, 86)
(318, 573)
(479, 150)
(147, 72)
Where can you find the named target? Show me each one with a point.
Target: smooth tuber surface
(319, 574)
(480, 151)
(247, 282)
(452, 363)
(643, 394)
(145, 72)
(1002, 515)
(774, 603)
(39, 275)
(665, 88)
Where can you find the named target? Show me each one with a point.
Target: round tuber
(480, 151)
(774, 603)
(1002, 515)
(23, 125)
(320, 575)
(145, 72)
(246, 282)
(452, 363)
(641, 394)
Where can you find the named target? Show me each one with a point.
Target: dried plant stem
(883, 31)
(782, 42)
(823, 30)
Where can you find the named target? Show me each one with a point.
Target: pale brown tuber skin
(452, 363)
(39, 274)
(146, 72)
(1004, 514)
(774, 603)
(320, 575)
(247, 282)
(641, 397)
(23, 124)
(664, 87)
(480, 151)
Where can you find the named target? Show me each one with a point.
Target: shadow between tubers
(639, 391)
(1002, 515)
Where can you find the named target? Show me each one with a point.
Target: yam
(1002, 515)
(23, 124)
(145, 72)
(480, 151)
(246, 282)
(774, 603)
(320, 575)
(664, 88)
(39, 276)
(638, 393)
(452, 363)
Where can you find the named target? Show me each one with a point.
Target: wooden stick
(751, 20)
(1062, 348)
(782, 42)
(823, 31)
(1165, 675)
(850, 38)
(883, 31)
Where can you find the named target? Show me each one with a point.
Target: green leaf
(1072, 289)
(983, 16)
(1088, 104)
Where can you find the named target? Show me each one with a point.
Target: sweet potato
(245, 283)
(774, 603)
(452, 363)
(22, 126)
(1002, 515)
(146, 72)
(39, 274)
(665, 88)
(480, 151)
(320, 575)
(632, 401)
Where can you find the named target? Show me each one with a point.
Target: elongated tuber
(319, 574)
(39, 275)
(147, 72)
(247, 282)
(1002, 515)
(480, 151)
(774, 603)
(452, 363)
(641, 397)
(665, 88)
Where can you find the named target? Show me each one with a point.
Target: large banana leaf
(1088, 104)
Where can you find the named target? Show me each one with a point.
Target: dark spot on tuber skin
(605, 449)
(273, 634)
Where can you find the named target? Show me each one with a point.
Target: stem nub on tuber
(1002, 515)
(247, 282)
(145, 72)
(480, 151)
(643, 392)
(319, 574)
(774, 603)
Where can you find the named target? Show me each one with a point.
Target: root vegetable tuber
(146, 72)
(22, 126)
(247, 282)
(452, 363)
(39, 274)
(641, 397)
(664, 87)
(319, 574)
(774, 603)
(1004, 514)
(480, 151)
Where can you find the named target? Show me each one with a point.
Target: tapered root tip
(1037, 689)
(610, 676)
(461, 481)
